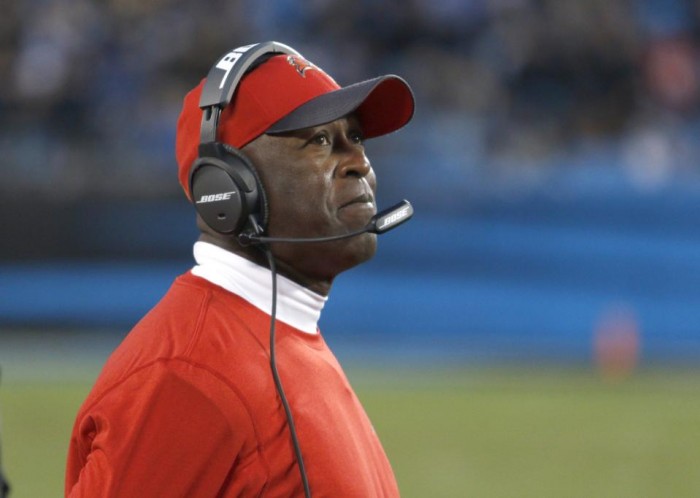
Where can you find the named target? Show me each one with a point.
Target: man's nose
(354, 162)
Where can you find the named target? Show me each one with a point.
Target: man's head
(303, 133)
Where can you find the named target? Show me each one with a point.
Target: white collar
(296, 305)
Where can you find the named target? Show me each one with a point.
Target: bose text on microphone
(391, 217)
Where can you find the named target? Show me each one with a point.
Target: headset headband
(223, 78)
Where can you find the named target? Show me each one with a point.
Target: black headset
(226, 190)
(225, 187)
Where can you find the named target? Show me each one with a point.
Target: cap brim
(382, 105)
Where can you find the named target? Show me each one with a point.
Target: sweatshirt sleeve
(169, 429)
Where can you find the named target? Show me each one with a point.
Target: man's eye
(321, 139)
(357, 138)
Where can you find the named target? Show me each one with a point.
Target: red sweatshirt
(186, 407)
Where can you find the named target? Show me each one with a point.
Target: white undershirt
(296, 305)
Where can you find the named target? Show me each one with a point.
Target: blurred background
(541, 309)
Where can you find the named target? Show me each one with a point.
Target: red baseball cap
(288, 93)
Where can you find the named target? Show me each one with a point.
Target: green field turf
(541, 434)
(456, 433)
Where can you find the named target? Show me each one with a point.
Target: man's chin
(323, 261)
(357, 215)
(348, 253)
(362, 248)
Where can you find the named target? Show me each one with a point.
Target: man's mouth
(360, 199)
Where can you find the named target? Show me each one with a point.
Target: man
(188, 405)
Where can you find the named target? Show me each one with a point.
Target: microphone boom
(380, 223)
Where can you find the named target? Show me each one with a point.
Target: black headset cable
(276, 375)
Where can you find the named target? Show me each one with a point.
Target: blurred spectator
(91, 90)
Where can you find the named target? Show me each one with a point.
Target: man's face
(319, 183)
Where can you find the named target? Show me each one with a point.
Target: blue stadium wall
(530, 278)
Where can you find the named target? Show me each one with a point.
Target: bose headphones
(225, 187)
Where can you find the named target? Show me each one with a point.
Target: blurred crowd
(511, 93)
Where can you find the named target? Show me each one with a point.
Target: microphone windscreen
(391, 217)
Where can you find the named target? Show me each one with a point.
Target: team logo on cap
(300, 64)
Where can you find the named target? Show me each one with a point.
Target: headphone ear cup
(262, 209)
(226, 190)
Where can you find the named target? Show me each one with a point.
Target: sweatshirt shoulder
(166, 331)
